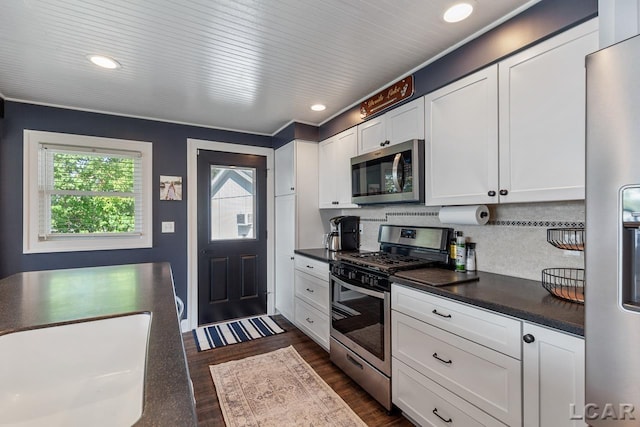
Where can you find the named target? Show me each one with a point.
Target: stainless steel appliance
(344, 234)
(394, 174)
(360, 301)
(612, 257)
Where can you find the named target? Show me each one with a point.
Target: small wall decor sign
(170, 187)
(384, 99)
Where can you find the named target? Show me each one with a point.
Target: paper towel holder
(464, 215)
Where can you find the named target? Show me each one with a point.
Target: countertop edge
(520, 314)
(319, 254)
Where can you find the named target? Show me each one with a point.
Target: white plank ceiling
(248, 65)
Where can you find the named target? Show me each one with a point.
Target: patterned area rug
(221, 334)
(278, 389)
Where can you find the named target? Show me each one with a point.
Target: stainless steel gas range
(360, 341)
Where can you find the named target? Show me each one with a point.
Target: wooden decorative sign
(386, 98)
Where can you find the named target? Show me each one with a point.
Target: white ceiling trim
(155, 119)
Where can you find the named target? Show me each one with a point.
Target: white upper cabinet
(542, 118)
(285, 167)
(461, 146)
(405, 122)
(334, 164)
(398, 125)
(524, 145)
(371, 135)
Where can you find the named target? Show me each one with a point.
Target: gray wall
(169, 158)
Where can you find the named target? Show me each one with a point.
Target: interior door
(232, 236)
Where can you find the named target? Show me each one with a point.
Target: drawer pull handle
(448, 316)
(355, 362)
(435, 412)
(448, 362)
(310, 266)
(309, 290)
(309, 320)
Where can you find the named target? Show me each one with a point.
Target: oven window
(360, 318)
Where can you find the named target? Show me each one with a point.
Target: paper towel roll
(471, 215)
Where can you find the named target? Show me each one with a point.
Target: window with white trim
(86, 193)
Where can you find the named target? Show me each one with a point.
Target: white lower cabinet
(459, 365)
(427, 403)
(553, 378)
(311, 283)
(436, 351)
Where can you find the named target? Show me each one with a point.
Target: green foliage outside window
(90, 194)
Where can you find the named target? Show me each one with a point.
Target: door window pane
(233, 202)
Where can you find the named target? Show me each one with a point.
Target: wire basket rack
(565, 283)
(571, 239)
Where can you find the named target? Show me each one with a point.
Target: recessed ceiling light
(318, 107)
(104, 61)
(458, 12)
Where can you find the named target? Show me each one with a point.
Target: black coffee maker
(345, 233)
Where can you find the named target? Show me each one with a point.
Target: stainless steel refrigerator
(612, 253)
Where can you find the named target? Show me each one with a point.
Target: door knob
(491, 193)
(504, 192)
(528, 338)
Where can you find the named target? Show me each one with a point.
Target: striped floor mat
(221, 334)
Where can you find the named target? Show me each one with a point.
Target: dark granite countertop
(320, 254)
(521, 298)
(33, 299)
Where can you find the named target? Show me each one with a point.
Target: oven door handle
(371, 293)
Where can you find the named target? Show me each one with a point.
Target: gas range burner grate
(384, 261)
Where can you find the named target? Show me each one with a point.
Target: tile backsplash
(514, 242)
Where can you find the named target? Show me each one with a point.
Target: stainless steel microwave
(393, 174)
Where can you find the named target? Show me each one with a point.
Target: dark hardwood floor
(207, 407)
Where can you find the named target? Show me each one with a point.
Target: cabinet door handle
(448, 316)
(448, 362)
(309, 290)
(528, 338)
(504, 192)
(310, 266)
(292, 258)
(435, 412)
(292, 188)
(309, 320)
(491, 193)
(382, 144)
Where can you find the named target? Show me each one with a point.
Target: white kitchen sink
(88, 373)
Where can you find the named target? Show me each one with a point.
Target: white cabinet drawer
(484, 377)
(483, 327)
(429, 404)
(312, 290)
(312, 322)
(314, 267)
